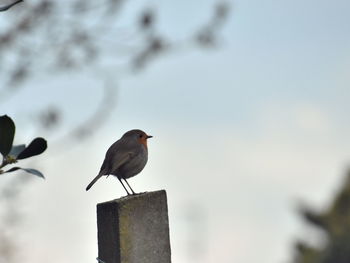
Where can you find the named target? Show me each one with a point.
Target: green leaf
(17, 149)
(34, 171)
(28, 170)
(7, 133)
(37, 146)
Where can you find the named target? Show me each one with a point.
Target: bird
(125, 158)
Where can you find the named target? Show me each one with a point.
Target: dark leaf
(34, 171)
(17, 149)
(28, 170)
(12, 169)
(37, 146)
(7, 133)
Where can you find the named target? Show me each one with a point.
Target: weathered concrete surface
(134, 229)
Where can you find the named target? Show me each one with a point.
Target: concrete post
(134, 229)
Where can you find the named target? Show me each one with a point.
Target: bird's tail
(93, 181)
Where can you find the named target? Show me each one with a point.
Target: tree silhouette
(334, 223)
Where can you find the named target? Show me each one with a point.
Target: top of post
(135, 198)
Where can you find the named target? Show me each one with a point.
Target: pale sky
(242, 134)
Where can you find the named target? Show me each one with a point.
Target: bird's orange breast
(143, 141)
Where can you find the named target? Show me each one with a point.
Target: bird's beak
(149, 136)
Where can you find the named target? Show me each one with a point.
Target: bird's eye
(140, 135)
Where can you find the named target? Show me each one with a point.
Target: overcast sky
(242, 134)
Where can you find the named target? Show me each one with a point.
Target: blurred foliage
(334, 223)
(52, 37)
(12, 153)
(66, 35)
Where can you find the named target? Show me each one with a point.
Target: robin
(125, 158)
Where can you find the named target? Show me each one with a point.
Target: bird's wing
(117, 155)
(121, 159)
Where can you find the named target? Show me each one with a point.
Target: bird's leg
(120, 180)
(129, 187)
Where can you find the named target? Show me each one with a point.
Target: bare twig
(6, 7)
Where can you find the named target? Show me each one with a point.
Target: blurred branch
(99, 116)
(207, 36)
(95, 120)
(56, 37)
(6, 7)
